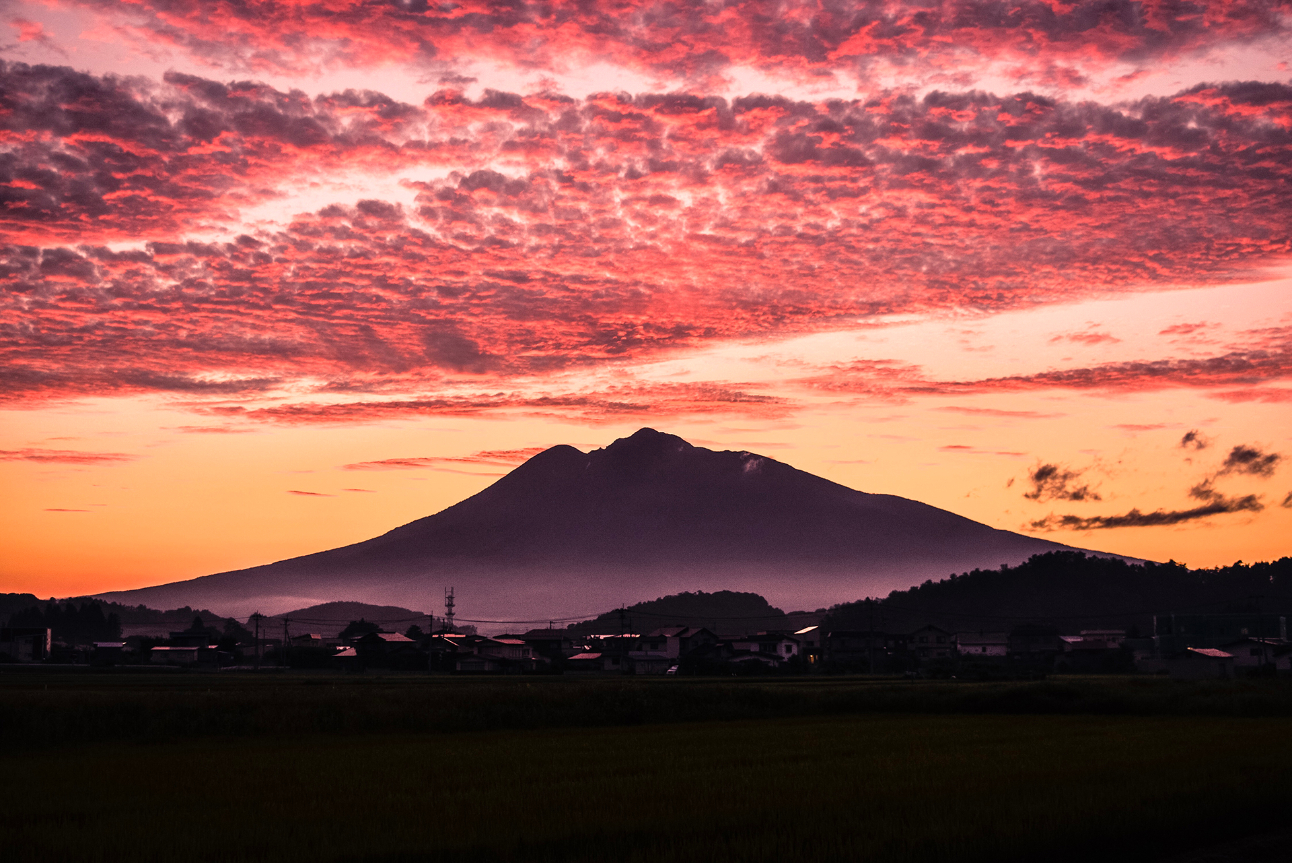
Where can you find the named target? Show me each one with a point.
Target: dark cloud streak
(1053, 482)
(1157, 518)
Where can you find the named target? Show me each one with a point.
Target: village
(1192, 646)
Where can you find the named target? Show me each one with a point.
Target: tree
(359, 628)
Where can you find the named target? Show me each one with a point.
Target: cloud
(1287, 501)
(962, 448)
(998, 412)
(61, 509)
(1158, 518)
(1053, 482)
(1087, 337)
(393, 464)
(495, 458)
(309, 493)
(609, 405)
(1187, 330)
(1194, 440)
(1056, 45)
(1269, 395)
(1205, 491)
(1250, 460)
(564, 233)
(63, 456)
(212, 430)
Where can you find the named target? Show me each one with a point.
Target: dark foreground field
(588, 770)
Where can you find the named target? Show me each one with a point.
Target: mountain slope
(570, 532)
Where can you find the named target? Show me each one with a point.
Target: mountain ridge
(647, 515)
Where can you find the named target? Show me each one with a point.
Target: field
(334, 768)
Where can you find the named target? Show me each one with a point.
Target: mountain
(568, 533)
(725, 612)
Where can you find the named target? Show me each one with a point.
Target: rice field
(52, 709)
(888, 787)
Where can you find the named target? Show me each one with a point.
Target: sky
(279, 276)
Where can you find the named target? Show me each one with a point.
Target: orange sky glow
(278, 276)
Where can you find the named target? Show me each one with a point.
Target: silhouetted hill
(75, 619)
(11, 603)
(329, 618)
(648, 515)
(1074, 591)
(724, 611)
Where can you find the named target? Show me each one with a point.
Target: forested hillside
(1074, 591)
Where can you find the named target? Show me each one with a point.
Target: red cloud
(896, 382)
(505, 458)
(63, 456)
(1088, 337)
(610, 405)
(692, 38)
(672, 220)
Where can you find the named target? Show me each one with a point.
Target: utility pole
(870, 640)
(283, 660)
(256, 618)
(1260, 630)
(623, 654)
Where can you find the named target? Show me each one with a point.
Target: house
(512, 649)
(775, 644)
(388, 650)
(1201, 663)
(1173, 633)
(982, 644)
(587, 663)
(478, 663)
(310, 639)
(1111, 638)
(476, 654)
(107, 652)
(930, 642)
(811, 642)
(860, 649)
(673, 642)
(650, 664)
(26, 643)
(167, 655)
(1251, 654)
(553, 644)
(1035, 642)
(747, 658)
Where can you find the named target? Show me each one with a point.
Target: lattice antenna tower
(448, 609)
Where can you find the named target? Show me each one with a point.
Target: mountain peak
(649, 440)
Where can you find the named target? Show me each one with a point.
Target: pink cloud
(675, 220)
(696, 40)
(63, 456)
(1088, 337)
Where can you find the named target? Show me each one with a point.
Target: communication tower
(448, 609)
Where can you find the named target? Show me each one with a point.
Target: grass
(871, 787)
(328, 767)
(53, 709)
